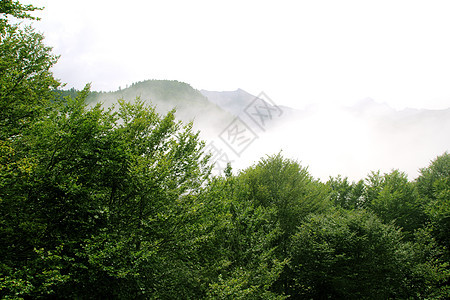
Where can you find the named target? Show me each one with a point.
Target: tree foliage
(111, 190)
(10, 8)
(434, 187)
(345, 194)
(118, 202)
(26, 82)
(353, 255)
(395, 199)
(242, 243)
(287, 187)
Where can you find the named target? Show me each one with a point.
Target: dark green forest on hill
(163, 96)
(119, 203)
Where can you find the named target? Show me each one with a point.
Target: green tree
(433, 185)
(239, 243)
(9, 8)
(287, 188)
(395, 199)
(345, 194)
(353, 255)
(26, 82)
(430, 267)
(26, 85)
(283, 184)
(114, 193)
(93, 203)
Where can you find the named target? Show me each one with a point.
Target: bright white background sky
(297, 52)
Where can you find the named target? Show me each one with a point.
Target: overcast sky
(297, 52)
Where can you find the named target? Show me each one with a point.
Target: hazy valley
(109, 195)
(351, 141)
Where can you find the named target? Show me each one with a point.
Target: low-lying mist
(349, 141)
(332, 142)
(240, 128)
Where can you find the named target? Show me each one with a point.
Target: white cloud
(296, 51)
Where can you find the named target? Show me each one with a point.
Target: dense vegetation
(119, 203)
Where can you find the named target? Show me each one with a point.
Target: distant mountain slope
(347, 140)
(351, 141)
(166, 95)
(232, 101)
(383, 116)
(253, 110)
(236, 101)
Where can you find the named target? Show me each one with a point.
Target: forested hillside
(102, 203)
(166, 95)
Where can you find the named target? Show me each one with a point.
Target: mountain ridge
(357, 138)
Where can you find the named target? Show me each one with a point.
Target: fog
(299, 52)
(337, 140)
(309, 55)
(330, 140)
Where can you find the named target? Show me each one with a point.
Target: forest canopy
(119, 202)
